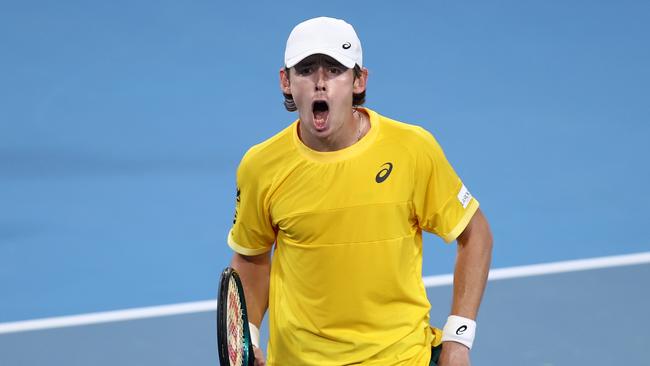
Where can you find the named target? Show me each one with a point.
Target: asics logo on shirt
(384, 172)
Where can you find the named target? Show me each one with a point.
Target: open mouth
(321, 112)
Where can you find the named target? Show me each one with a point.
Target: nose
(321, 79)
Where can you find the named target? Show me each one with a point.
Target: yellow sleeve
(443, 205)
(252, 232)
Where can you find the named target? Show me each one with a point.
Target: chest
(356, 200)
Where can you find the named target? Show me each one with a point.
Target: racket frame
(222, 319)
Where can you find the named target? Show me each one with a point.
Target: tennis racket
(233, 335)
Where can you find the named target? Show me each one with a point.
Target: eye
(335, 70)
(305, 70)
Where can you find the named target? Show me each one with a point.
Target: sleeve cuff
(462, 224)
(244, 250)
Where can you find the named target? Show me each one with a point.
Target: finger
(259, 357)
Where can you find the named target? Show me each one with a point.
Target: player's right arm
(254, 272)
(251, 238)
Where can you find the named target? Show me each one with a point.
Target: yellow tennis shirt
(346, 275)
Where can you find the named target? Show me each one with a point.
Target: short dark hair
(357, 99)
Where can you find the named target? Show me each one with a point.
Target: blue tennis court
(122, 124)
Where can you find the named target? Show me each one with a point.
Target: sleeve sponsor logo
(464, 196)
(237, 200)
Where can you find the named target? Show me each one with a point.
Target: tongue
(320, 119)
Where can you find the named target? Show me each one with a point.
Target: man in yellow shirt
(329, 218)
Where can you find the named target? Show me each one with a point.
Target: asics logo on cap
(346, 45)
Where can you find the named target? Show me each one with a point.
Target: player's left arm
(472, 266)
(470, 276)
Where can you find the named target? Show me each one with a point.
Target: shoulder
(268, 155)
(412, 136)
(270, 149)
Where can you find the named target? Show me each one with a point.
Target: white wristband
(255, 334)
(460, 330)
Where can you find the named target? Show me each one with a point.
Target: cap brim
(343, 59)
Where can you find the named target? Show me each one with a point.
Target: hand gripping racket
(233, 335)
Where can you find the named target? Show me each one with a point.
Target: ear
(285, 85)
(361, 82)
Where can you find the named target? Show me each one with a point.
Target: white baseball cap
(329, 36)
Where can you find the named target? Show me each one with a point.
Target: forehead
(319, 59)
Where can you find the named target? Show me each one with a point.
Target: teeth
(321, 111)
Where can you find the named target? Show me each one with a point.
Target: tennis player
(341, 197)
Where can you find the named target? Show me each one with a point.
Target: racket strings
(234, 321)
